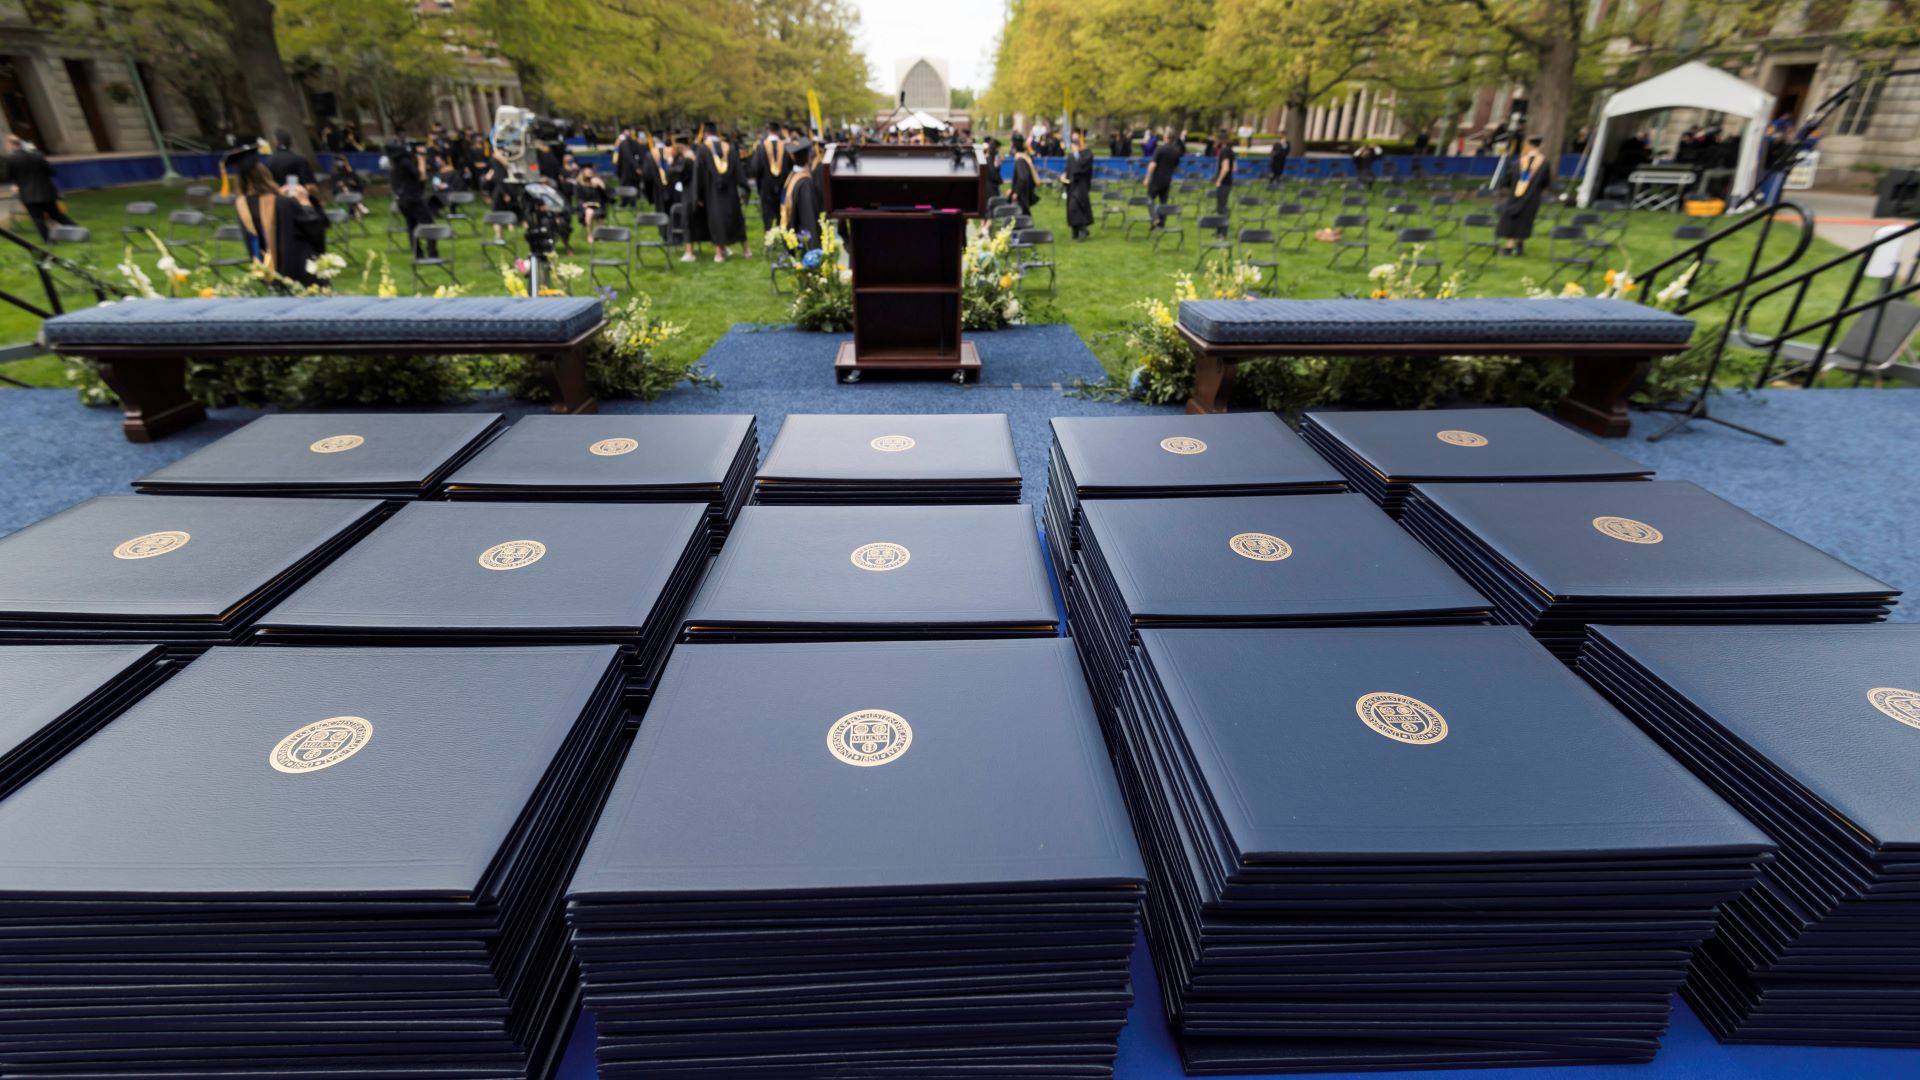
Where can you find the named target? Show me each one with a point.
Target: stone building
(70, 97)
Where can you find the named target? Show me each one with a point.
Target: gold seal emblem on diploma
(1260, 547)
(1456, 437)
(869, 737)
(1181, 444)
(881, 557)
(1629, 530)
(613, 447)
(1402, 718)
(334, 444)
(892, 444)
(1901, 705)
(513, 554)
(154, 543)
(321, 744)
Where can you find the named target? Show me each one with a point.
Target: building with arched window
(922, 84)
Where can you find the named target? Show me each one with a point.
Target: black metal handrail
(44, 263)
(1695, 407)
(1800, 283)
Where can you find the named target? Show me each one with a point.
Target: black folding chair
(139, 217)
(337, 233)
(1166, 222)
(1569, 246)
(1290, 221)
(458, 203)
(661, 240)
(1359, 242)
(1250, 239)
(1213, 237)
(1027, 246)
(1139, 212)
(187, 230)
(497, 249)
(220, 264)
(1417, 248)
(1440, 215)
(442, 237)
(1113, 203)
(1486, 244)
(596, 261)
(1252, 210)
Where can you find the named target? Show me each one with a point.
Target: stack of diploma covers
(848, 460)
(1156, 457)
(844, 573)
(393, 456)
(53, 697)
(1384, 453)
(186, 572)
(704, 459)
(510, 574)
(861, 860)
(1401, 848)
(304, 863)
(1556, 557)
(1267, 560)
(1813, 732)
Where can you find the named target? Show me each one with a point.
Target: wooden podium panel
(906, 210)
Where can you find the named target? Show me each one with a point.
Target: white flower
(1673, 292)
(167, 264)
(313, 267)
(1013, 307)
(1382, 272)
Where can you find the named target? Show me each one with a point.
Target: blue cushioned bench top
(1517, 321)
(325, 320)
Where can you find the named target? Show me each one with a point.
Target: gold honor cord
(776, 154)
(722, 155)
(786, 198)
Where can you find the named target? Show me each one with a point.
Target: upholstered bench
(141, 347)
(1609, 341)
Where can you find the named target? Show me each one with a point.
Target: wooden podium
(906, 209)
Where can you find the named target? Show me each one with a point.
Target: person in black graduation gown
(688, 208)
(1531, 177)
(1080, 187)
(286, 162)
(1024, 177)
(726, 223)
(626, 164)
(1224, 163)
(990, 154)
(1277, 161)
(800, 203)
(769, 171)
(283, 227)
(408, 170)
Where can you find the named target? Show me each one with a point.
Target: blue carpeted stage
(1843, 483)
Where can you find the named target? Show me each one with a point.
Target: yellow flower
(1611, 274)
(179, 277)
(207, 293)
(1379, 294)
(1630, 286)
(1573, 289)
(1006, 281)
(552, 292)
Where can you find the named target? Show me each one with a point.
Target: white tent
(1692, 85)
(917, 119)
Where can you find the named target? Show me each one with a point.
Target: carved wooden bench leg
(1598, 400)
(1213, 380)
(565, 375)
(153, 391)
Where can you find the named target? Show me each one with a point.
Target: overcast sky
(959, 31)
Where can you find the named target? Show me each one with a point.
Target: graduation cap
(245, 154)
(800, 147)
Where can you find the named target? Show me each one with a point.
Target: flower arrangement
(1404, 279)
(624, 362)
(1163, 371)
(990, 283)
(822, 287)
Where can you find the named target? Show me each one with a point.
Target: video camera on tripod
(535, 199)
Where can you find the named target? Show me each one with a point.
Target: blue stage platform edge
(1844, 482)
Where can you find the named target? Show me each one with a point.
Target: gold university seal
(1402, 718)
(613, 447)
(321, 744)
(1901, 705)
(513, 554)
(1181, 444)
(1260, 547)
(334, 444)
(869, 737)
(1633, 532)
(881, 557)
(892, 444)
(154, 543)
(1455, 437)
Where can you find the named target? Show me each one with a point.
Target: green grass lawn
(1098, 280)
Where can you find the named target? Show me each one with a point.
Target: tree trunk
(276, 101)
(1297, 123)
(1551, 103)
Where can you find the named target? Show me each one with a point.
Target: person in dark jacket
(31, 175)
(1162, 165)
(626, 165)
(410, 174)
(1277, 160)
(1529, 190)
(1080, 187)
(286, 162)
